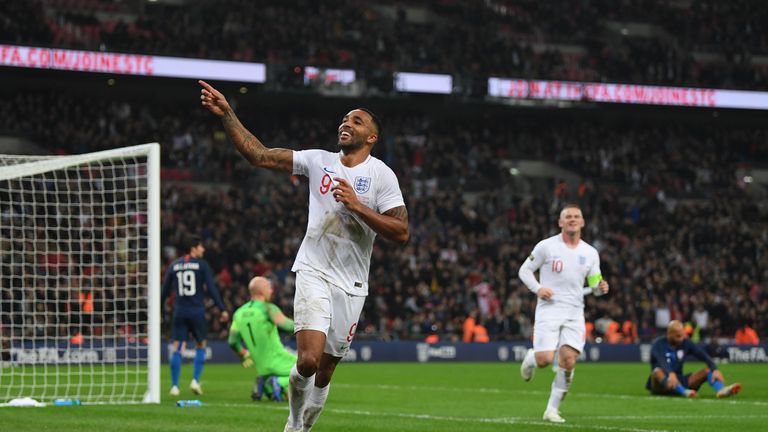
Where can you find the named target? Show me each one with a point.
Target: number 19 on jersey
(187, 285)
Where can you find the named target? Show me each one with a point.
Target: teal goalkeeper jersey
(258, 332)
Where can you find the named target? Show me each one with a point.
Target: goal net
(80, 276)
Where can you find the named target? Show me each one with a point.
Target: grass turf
(459, 397)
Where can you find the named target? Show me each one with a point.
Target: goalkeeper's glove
(247, 362)
(245, 358)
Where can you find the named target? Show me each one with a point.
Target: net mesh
(73, 275)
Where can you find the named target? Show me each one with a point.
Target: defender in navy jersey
(667, 357)
(185, 278)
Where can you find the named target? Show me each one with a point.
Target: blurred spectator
(746, 335)
(468, 332)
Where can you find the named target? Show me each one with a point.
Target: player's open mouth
(345, 134)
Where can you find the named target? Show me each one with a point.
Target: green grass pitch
(458, 397)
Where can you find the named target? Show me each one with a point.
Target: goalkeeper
(255, 325)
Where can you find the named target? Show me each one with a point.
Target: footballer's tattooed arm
(253, 150)
(245, 142)
(399, 213)
(392, 225)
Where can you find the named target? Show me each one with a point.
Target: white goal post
(80, 276)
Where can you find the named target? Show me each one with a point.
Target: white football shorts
(320, 305)
(551, 333)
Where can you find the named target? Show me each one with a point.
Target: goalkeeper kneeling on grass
(667, 356)
(254, 337)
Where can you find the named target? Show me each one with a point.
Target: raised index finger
(206, 86)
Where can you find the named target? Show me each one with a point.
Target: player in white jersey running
(564, 262)
(352, 198)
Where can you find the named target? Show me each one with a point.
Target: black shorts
(186, 321)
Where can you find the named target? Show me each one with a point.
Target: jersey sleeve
(389, 195)
(530, 265)
(302, 159)
(300, 162)
(167, 284)
(694, 350)
(213, 290)
(658, 358)
(234, 336)
(594, 276)
(274, 312)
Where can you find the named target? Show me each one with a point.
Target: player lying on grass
(255, 325)
(667, 357)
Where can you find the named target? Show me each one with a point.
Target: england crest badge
(362, 184)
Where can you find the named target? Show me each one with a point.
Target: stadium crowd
(697, 261)
(680, 236)
(700, 43)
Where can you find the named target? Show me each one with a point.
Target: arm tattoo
(253, 150)
(246, 143)
(400, 213)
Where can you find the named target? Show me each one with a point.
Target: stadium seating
(702, 43)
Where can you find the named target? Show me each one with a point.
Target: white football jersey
(563, 270)
(338, 244)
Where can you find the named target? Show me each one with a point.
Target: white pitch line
(672, 417)
(665, 399)
(491, 420)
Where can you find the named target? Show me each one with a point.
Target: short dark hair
(376, 121)
(193, 241)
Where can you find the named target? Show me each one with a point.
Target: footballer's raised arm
(246, 143)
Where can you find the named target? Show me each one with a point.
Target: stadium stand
(697, 43)
(681, 234)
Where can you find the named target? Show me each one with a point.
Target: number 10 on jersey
(557, 266)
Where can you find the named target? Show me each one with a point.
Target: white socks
(314, 406)
(560, 386)
(299, 388)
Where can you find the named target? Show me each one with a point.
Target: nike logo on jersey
(328, 170)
